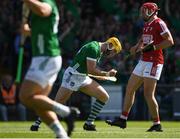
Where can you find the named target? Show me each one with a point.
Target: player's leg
(149, 94)
(34, 98)
(62, 96)
(133, 84)
(53, 123)
(95, 90)
(36, 125)
(151, 74)
(41, 103)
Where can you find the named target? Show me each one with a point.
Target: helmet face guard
(116, 44)
(109, 48)
(148, 10)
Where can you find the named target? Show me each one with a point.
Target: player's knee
(105, 98)
(130, 90)
(148, 96)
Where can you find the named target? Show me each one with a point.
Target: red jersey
(153, 31)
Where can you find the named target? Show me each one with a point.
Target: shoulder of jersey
(159, 20)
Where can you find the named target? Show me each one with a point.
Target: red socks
(124, 115)
(156, 121)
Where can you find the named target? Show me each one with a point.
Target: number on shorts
(153, 70)
(69, 78)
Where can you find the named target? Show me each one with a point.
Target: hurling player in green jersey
(45, 65)
(76, 76)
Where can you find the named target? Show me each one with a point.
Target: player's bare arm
(133, 50)
(168, 41)
(40, 8)
(136, 47)
(92, 69)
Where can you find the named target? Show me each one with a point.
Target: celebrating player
(149, 68)
(85, 62)
(45, 65)
(76, 76)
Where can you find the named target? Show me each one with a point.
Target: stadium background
(85, 20)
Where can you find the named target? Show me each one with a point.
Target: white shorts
(148, 69)
(71, 80)
(44, 70)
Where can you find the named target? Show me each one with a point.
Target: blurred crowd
(85, 20)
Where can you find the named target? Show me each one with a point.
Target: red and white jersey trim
(163, 27)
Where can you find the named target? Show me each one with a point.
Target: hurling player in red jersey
(149, 68)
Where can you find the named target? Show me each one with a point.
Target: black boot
(34, 127)
(117, 122)
(71, 119)
(89, 127)
(156, 128)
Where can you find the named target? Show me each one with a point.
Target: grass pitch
(134, 130)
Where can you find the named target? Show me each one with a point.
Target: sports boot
(156, 128)
(117, 122)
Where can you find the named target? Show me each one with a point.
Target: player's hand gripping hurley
(146, 48)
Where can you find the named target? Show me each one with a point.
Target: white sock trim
(58, 129)
(123, 117)
(156, 123)
(61, 110)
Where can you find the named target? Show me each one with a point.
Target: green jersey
(89, 51)
(44, 32)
